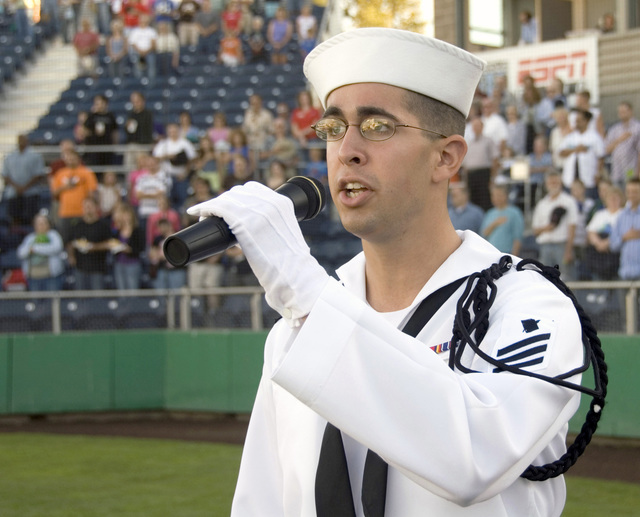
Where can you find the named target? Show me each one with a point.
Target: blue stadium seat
(19, 316)
(142, 312)
(97, 314)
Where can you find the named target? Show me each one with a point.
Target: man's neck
(396, 274)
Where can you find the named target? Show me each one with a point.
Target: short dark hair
(435, 115)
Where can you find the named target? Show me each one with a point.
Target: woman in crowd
(302, 117)
(42, 253)
(219, 130)
(127, 245)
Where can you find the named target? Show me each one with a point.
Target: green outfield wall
(205, 371)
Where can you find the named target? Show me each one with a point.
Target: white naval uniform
(456, 443)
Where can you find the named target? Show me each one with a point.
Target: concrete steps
(24, 102)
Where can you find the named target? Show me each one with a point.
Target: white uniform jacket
(456, 443)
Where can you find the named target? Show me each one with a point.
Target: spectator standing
(528, 29)
(176, 155)
(279, 33)
(42, 256)
(607, 24)
(210, 271)
(625, 235)
(623, 144)
(164, 211)
(71, 186)
(142, 48)
(207, 24)
(187, 27)
(138, 128)
(150, 187)
(187, 129)
(257, 124)
(503, 225)
(540, 161)
(131, 12)
(109, 193)
(516, 142)
(24, 178)
(78, 128)
(219, 130)
(585, 207)
(164, 275)
(316, 167)
(303, 116)
(584, 151)
(167, 50)
(553, 98)
(306, 30)
(529, 113)
(90, 241)
(230, 52)
(164, 11)
(554, 224)
(257, 41)
(561, 130)
(101, 128)
(600, 261)
(103, 16)
(494, 124)
(583, 103)
(117, 49)
(232, 18)
(140, 168)
(206, 164)
(242, 173)
(238, 144)
(277, 174)
(282, 147)
(480, 164)
(20, 19)
(127, 246)
(86, 43)
(464, 214)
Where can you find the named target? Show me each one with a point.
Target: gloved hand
(266, 228)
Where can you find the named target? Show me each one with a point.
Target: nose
(352, 146)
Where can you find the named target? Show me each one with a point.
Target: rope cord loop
(479, 295)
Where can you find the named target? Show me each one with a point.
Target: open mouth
(354, 189)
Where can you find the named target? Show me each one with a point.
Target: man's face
(581, 122)
(458, 196)
(89, 210)
(553, 184)
(624, 112)
(99, 105)
(380, 189)
(632, 191)
(137, 102)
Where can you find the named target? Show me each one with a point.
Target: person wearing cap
(343, 387)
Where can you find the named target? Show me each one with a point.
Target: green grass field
(77, 476)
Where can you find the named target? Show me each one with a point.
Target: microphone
(212, 235)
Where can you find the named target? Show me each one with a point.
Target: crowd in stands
(82, 230)
(583, 176)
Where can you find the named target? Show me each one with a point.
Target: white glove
(265, 225)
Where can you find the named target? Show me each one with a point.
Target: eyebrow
(362, 112)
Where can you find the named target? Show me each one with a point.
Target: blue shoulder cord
(479, 296)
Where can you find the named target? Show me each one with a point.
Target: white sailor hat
(399, 58)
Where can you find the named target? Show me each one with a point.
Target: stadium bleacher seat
(20, 316)
(142, 312)
(97, 314)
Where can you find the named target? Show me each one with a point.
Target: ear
(452, 151)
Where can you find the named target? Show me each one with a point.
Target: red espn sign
(570, 67)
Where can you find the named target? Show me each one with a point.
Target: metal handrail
(184, 295)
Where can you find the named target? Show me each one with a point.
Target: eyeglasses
(375, 128)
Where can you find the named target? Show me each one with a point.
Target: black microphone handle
(212, 235)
